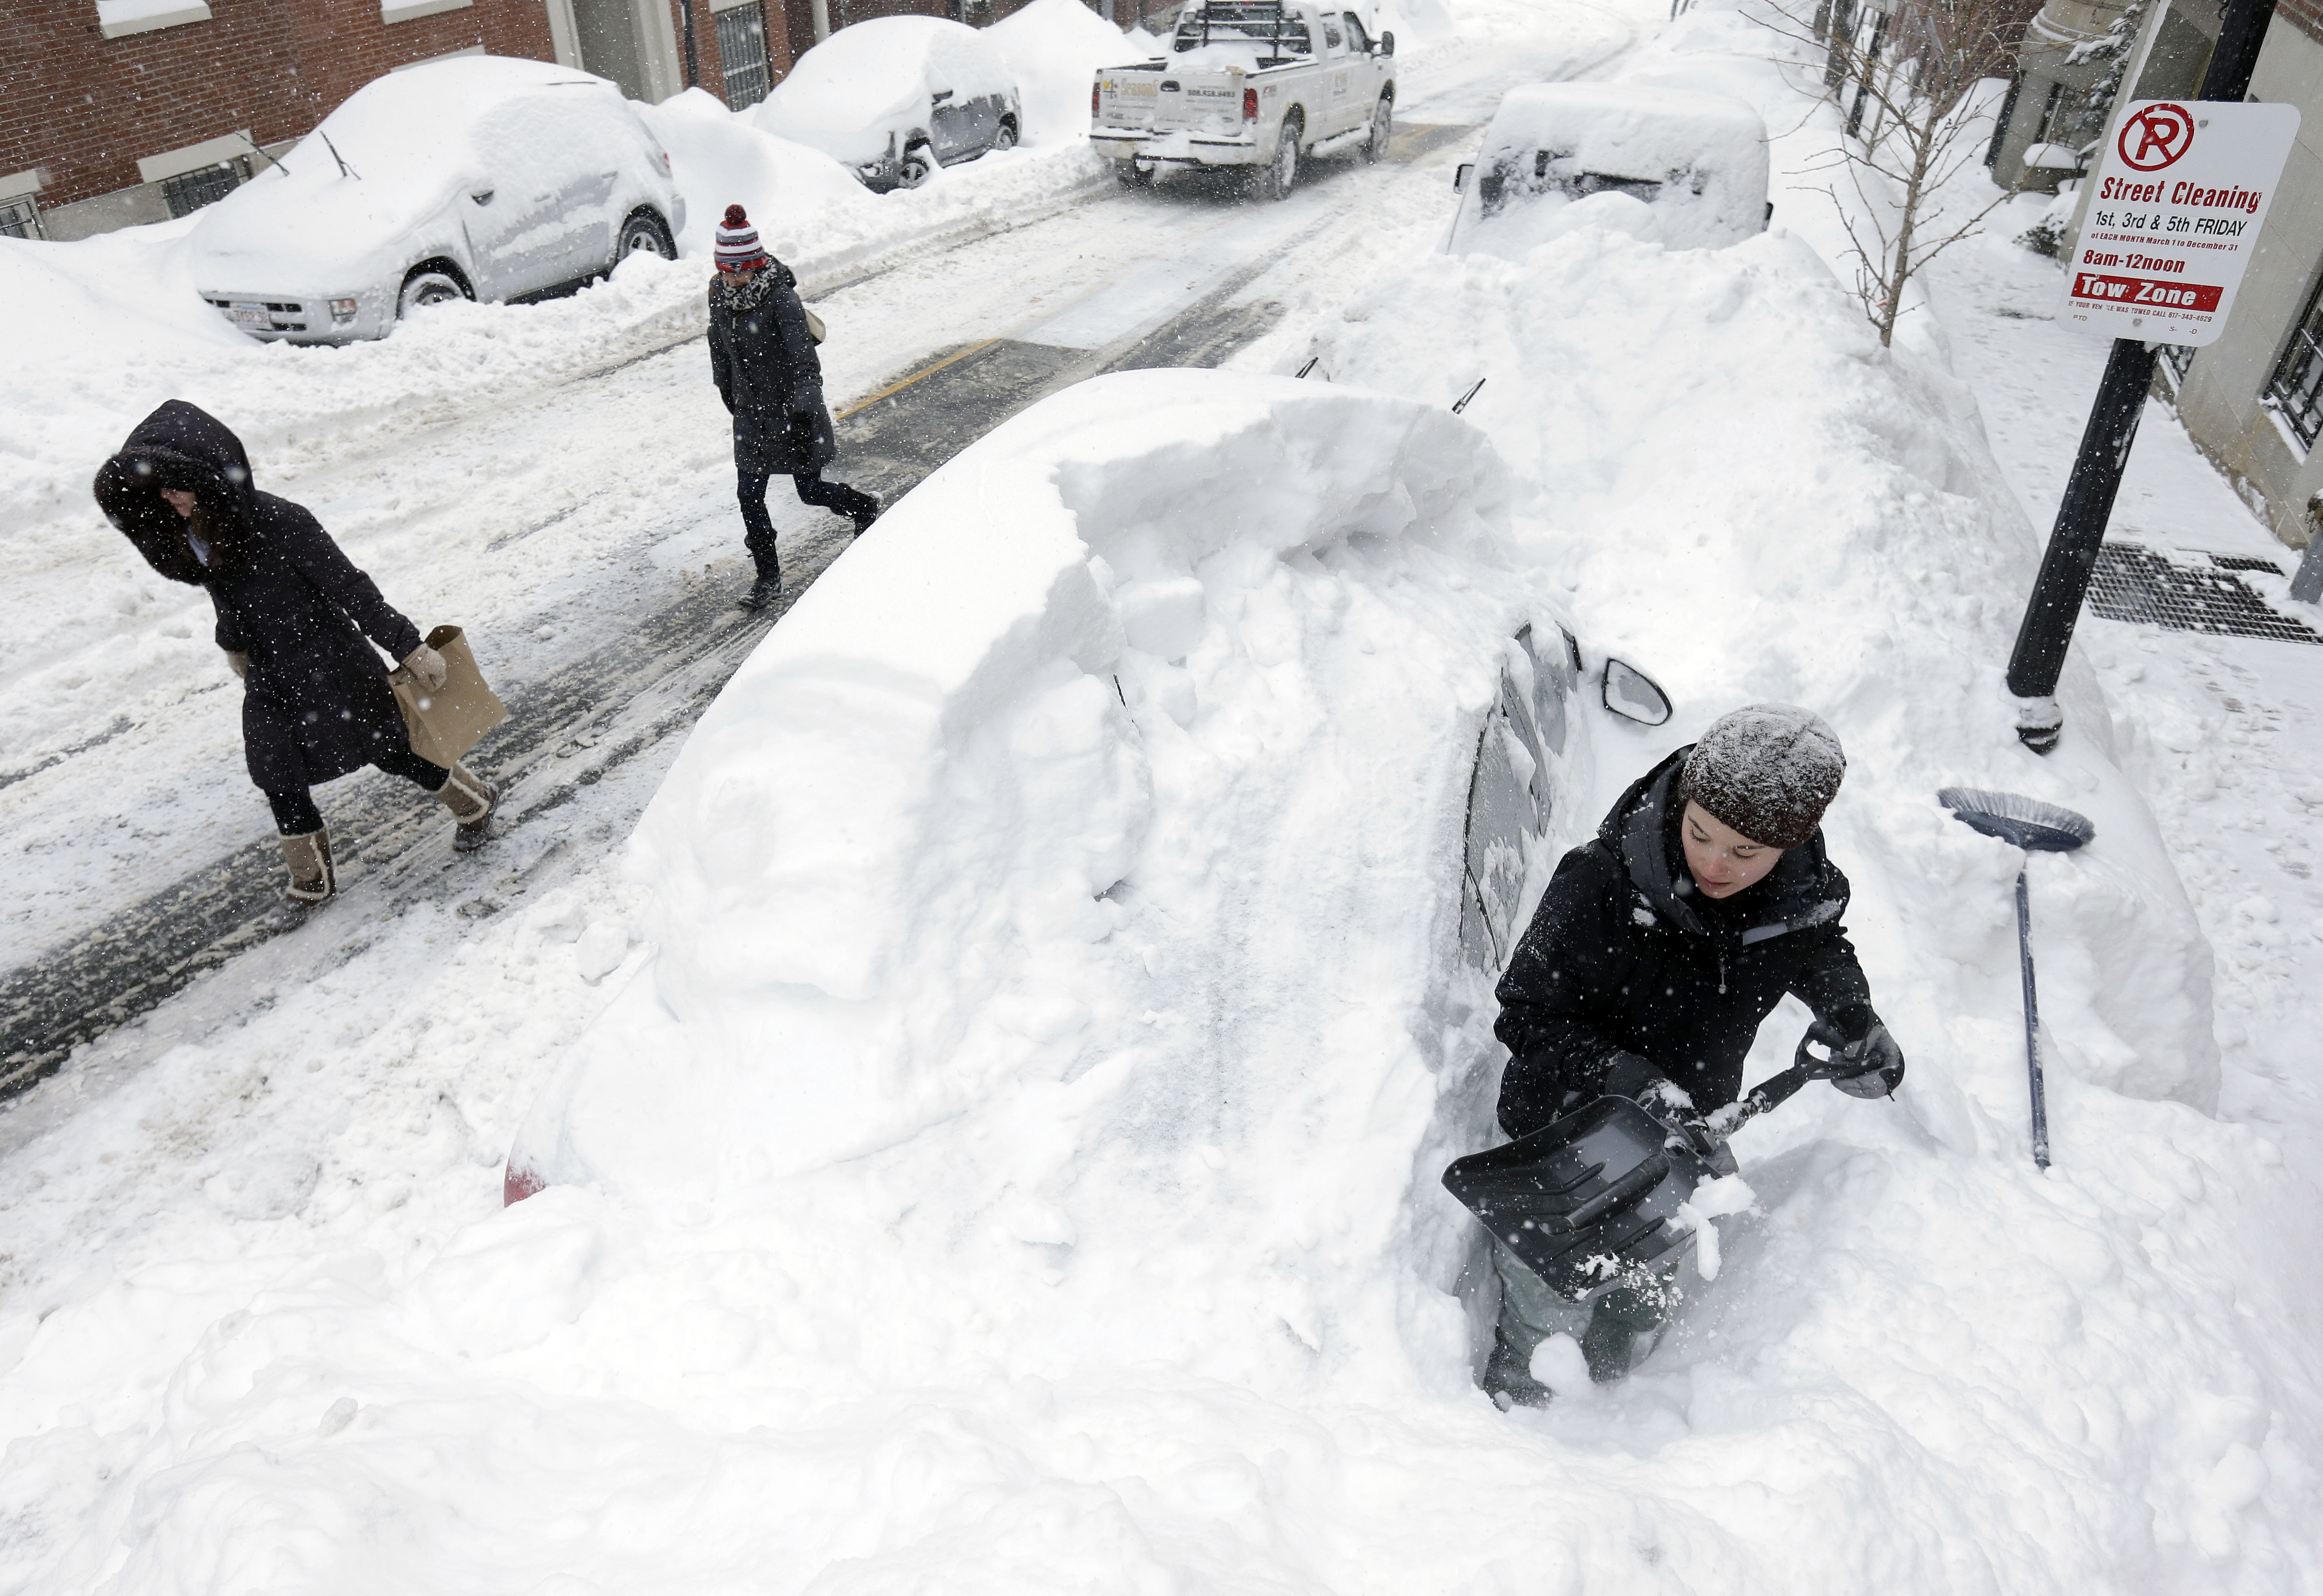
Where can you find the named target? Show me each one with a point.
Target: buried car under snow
(893, 99)
(1685, 168)
(477, 177)
(1175, 673)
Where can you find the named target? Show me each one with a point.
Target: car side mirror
(1460, 178)
(1633, 695)
(481, 197)
(1387, 43)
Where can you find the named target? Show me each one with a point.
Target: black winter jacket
(316, 703)
(763, 359)
(1624, 955)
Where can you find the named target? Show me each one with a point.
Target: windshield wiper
(345, 169)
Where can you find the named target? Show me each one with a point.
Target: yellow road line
(957, 354)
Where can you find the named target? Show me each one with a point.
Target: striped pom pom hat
(738, 243)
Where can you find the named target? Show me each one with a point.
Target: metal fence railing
(2295, 390)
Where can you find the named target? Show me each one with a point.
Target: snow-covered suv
(476, 178)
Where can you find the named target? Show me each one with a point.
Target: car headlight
(343, 311)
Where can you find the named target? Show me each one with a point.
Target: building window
(19, 218)
(743, 50)
(2295, 391)
(189, 191)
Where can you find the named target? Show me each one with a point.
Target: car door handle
(481, 197)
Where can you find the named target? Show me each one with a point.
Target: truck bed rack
(1252, 21)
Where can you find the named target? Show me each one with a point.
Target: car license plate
(252, 316)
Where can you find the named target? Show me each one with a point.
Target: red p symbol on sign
(2155, 137)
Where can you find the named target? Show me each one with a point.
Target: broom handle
(2032, 1018)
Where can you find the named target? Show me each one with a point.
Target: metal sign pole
(2047, 628)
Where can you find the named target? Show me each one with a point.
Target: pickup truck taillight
(1096, 91)
(1250, 105)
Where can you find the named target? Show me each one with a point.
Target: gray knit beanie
(1768, 771)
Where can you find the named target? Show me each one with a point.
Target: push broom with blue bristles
(2034, 826)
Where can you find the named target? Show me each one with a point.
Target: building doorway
(606, 30)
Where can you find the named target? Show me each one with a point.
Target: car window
(1357, 40)
(1331, 40)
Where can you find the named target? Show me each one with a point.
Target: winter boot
(473, 801)
(1531, 1313)
(763, 594)
(1624, 1329)
(313, 880)
(866, 515)
(1508, 1378)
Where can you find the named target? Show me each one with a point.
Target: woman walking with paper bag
(293, 614)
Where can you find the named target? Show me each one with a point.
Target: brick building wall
(89, 108)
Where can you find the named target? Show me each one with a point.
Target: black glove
(1865, 1061)
(1668, 1103)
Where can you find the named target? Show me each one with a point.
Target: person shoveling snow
(293, 613)
(1658, 949)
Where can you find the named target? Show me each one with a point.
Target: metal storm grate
(743, 53)
(2137, 585)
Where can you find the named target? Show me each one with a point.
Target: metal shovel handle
(1776, 1090)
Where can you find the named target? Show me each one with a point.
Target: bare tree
(1902, 74)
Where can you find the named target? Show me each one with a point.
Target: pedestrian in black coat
(1658, 949)
(293, 614)
(762, 356)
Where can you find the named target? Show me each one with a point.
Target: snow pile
(886, 854)
(794, 193)
(1686, 167)
(1054, 47)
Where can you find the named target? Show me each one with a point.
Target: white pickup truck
(1251, 83)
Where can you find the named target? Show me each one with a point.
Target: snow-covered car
(893, 99)
(1077, 731)
(477, 177)
(1248, 83)
(1689, 168)
(1518, 791)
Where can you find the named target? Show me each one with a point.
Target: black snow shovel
(1587, 1203)
(2036, 828)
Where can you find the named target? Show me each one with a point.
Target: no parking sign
(2181, 192)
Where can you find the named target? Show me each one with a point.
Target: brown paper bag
(448, 722)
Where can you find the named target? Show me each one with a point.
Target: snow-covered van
(1685, 167)
(1255, 83)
